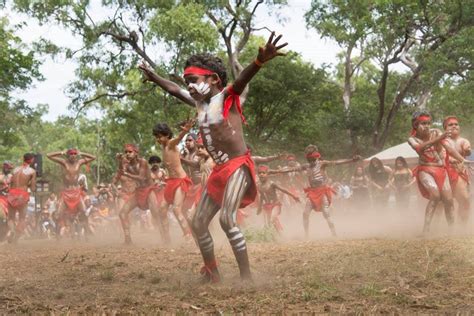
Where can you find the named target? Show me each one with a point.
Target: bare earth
(334, 276)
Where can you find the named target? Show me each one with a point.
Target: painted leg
(235, 190)
(125, 219)
(205, 211)
(177, 211)
(307, 210)
(275, 219)
(327, 216)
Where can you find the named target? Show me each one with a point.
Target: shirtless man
(232, 182)
(457, 172)
(431, 175)
(205, 162)
(71, 201)
(158, 175)
(178, 182)
(23, 178)
(134, 172)
(269, 200)
(319, 192)
(5, 179)
(189, 160)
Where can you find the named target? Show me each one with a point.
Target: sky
(59, 72)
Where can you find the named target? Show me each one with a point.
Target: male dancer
(269, 199)
(23, 178)
(132, 167)
(457, 172)
(431, 174)
(158, 175)
(178, 182)
(190, 161)
(232, 182)
(319, 192)
(71, 202)
(5, 179)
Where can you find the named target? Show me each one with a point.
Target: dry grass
(348, 276)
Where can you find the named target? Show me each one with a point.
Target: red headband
(193, 70)
(72, 151)
(199, 141)
(421, 118)
(314, 155)
(132, 147)
(263, 168)
(447, 121)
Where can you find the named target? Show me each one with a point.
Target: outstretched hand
(188, 125)
(271, 49)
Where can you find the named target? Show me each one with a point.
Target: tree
(387, 34)
(18, 68)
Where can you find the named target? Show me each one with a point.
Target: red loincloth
(159, 193)
(315, 195)
(438, 173)
(268, 207)
(4, 204)
(455, 174)
(141, 194)
(18, 198)
(192, 196)
(220, 174)
(173, 184)
(72, 198)
(125, 196)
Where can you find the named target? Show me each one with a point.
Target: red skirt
(159, 193)
(268, 207)
(72, 199)
(141, 194)
(18, 198)
(438, 173)
(316, 195)
(4, 204)
(173, 184)
(125, 196)
(219, 176)
(455, 174)
(192, 196)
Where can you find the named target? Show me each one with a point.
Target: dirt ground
(378, 264)
(330, 275)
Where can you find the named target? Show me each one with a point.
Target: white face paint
(202, 88)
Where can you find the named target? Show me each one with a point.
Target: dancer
(319, 192)
(431, 175)
(457, 172)
(135, 168)
(71, 203)
(269, 201)
(22, 179)
(232, 182)
(178, 182)
(190, 161)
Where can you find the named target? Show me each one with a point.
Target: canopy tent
(388, 155)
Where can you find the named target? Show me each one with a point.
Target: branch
(407, 60)
(120, 95)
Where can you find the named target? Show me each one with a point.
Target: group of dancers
(218, 172)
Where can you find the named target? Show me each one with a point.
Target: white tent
(388, 155)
